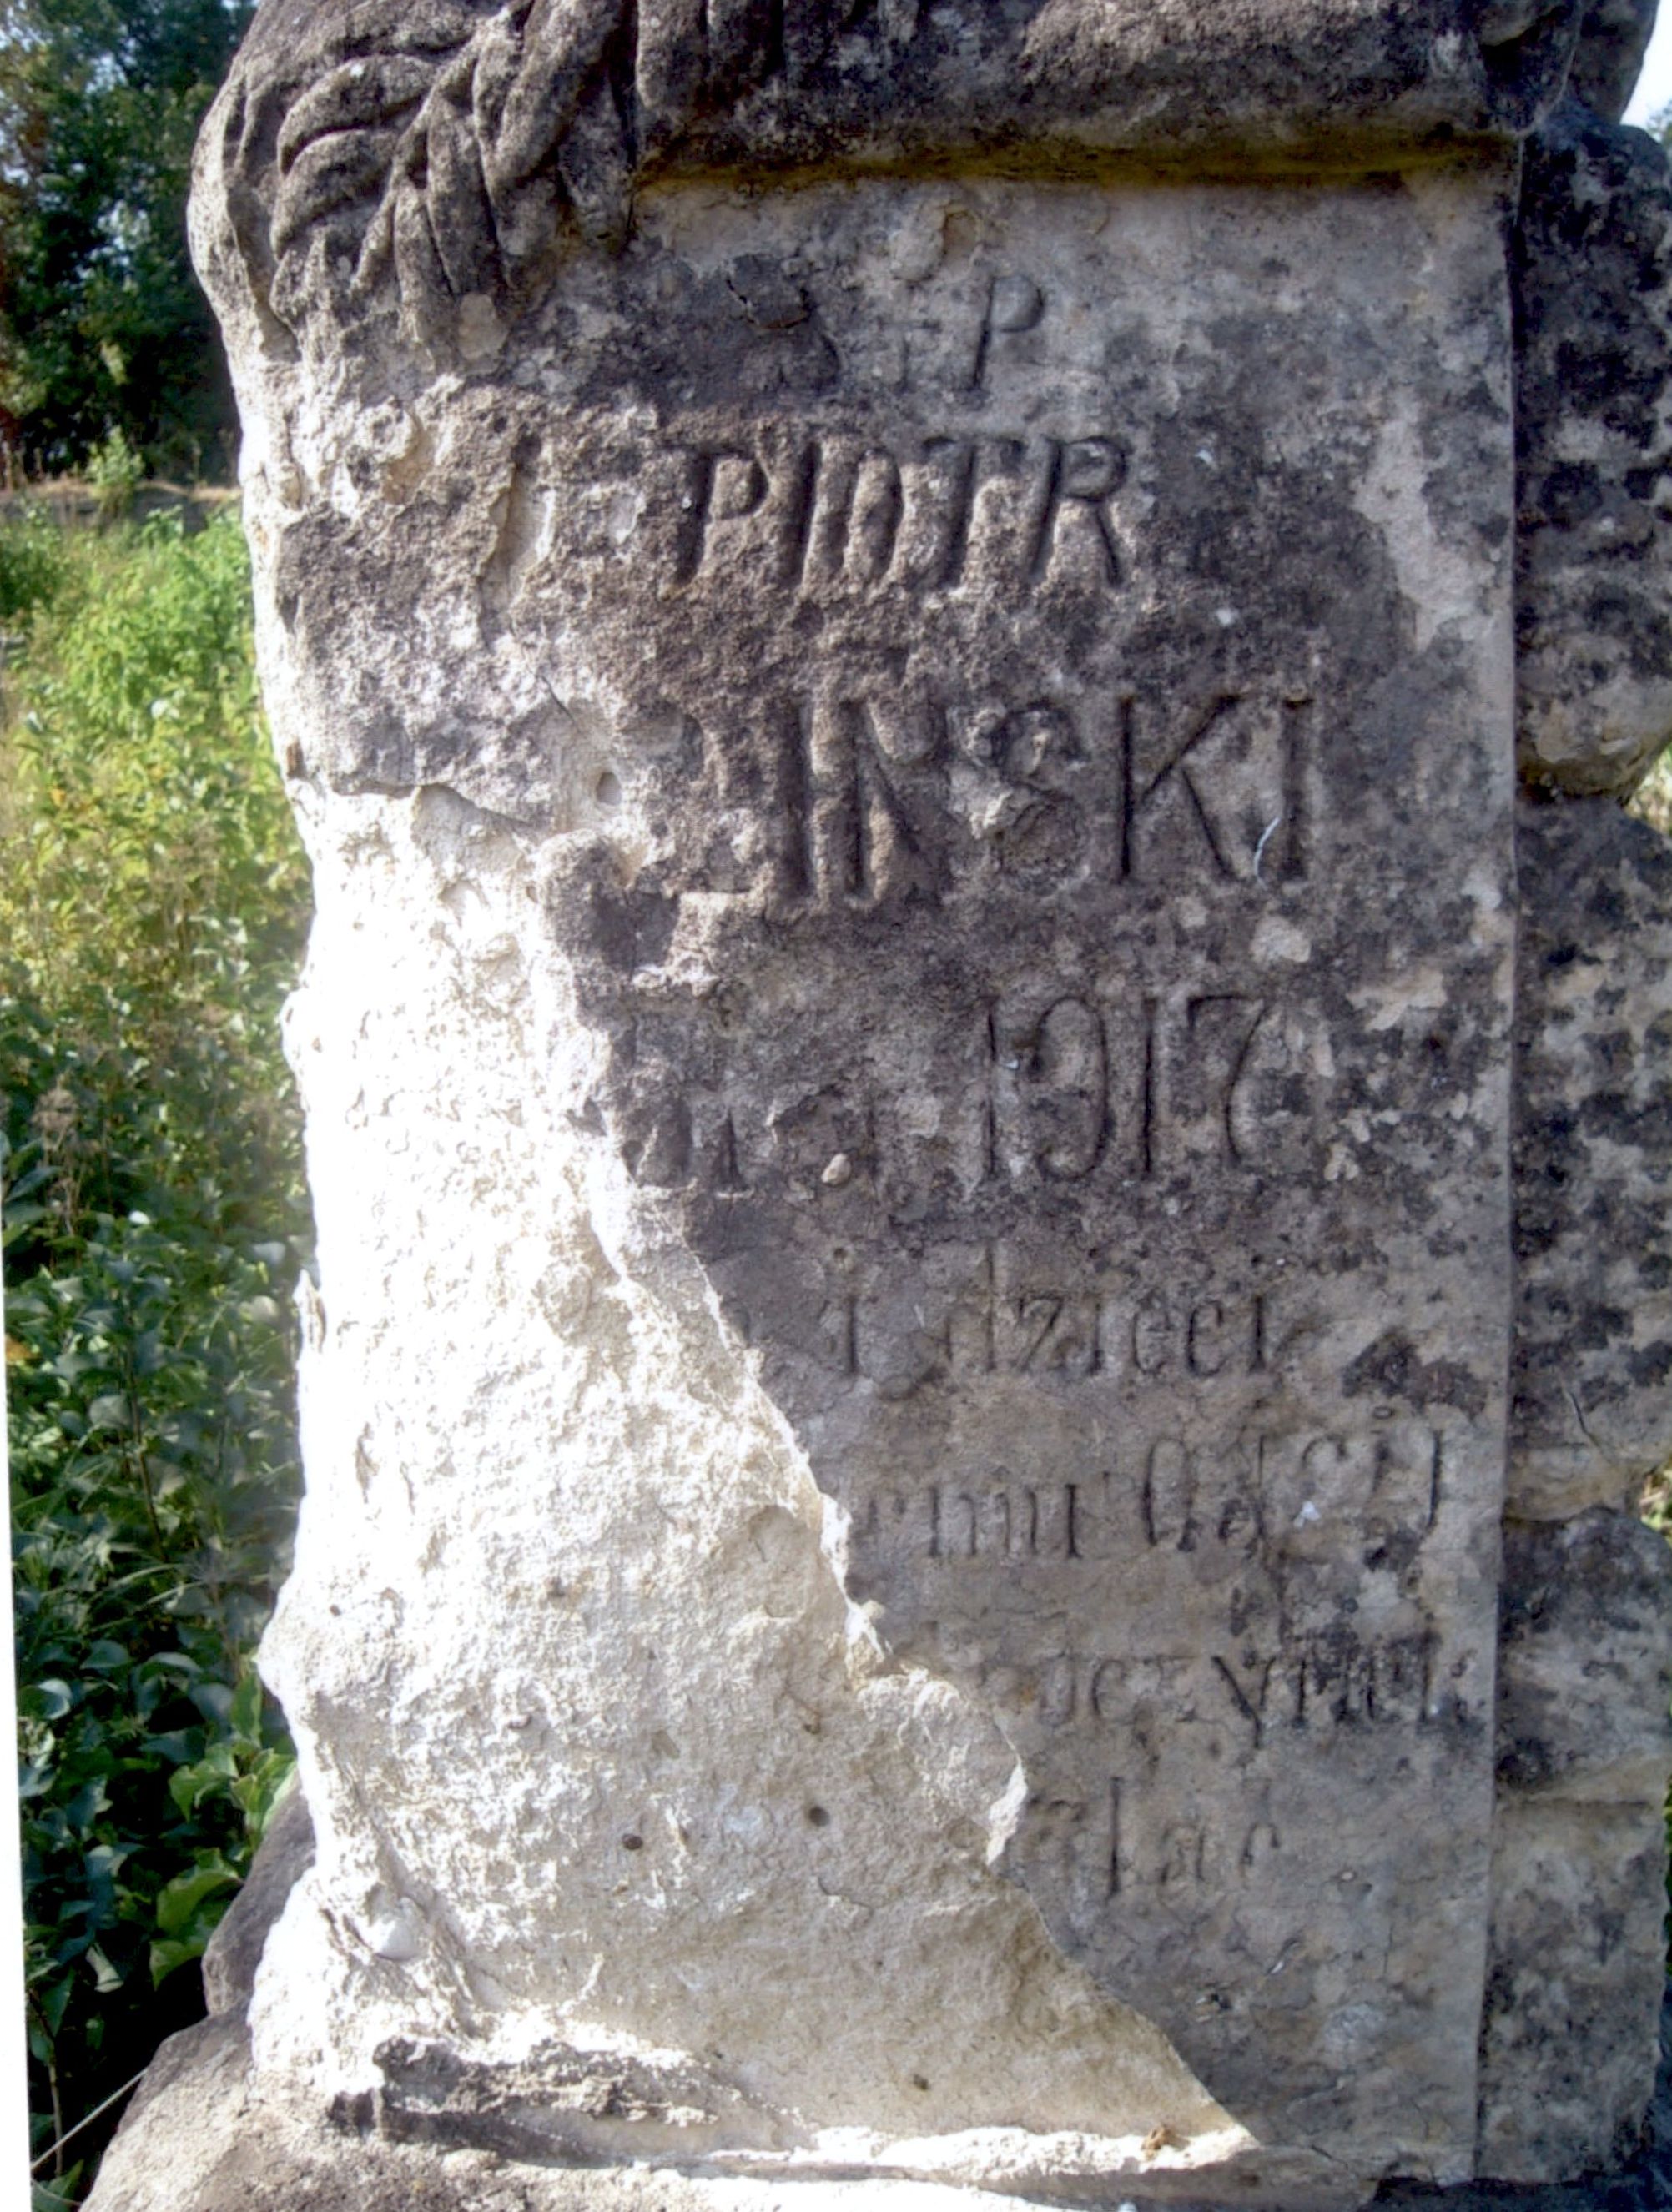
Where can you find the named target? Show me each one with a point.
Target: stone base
(200, 2138)
(201, 2135)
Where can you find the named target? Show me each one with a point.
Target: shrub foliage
(153, 901)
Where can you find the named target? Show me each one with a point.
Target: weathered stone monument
(994, 1254)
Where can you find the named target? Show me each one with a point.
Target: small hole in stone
(920, 2080)
(609, 788)
(818, 1817)
(632, 1843)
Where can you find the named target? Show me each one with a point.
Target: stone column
(894, 633)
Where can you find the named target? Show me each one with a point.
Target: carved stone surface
(908, 739)
(436, 146)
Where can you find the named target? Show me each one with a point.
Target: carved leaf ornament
(450, 147)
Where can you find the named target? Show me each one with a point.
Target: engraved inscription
(1070, 1331)
(1105, 1849)
(1057, 1090)
(1372, 1495)
(1015, 305)
(862, 792)
(1137, 1084)
(1189, 771)
(1252, 1696)
(1332, 1677)
(842, 515)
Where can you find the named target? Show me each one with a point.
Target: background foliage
(152, 905)
(107, 345)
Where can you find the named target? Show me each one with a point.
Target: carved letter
(1014, 304)
(725, 486)
(1082, 476)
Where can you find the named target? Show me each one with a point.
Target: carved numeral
(1055, 1080)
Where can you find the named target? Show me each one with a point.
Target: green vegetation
(104, 334)
(152, 905)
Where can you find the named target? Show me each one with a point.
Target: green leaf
(175, 1746)
(158, 850)
(246, 1711)
(189, 1785)
(57, 2195)
(92, 1799)
(213, 1700)
(255, 1793)
(53, 1697)
(171, 1953)
(179, 1902)
(52, 2001)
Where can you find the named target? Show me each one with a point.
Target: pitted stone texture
(1577, 1974)
(1593, 1344)
(910, 788)
(907, 1052)
(1585, 1669)
(1578, 1898)
(1577, 1907)
(1579, 1930)
(1593, 261)
(1613, 38)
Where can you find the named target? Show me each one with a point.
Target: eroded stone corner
(1585, 1654)
(1592, 261)
(1577, 1973)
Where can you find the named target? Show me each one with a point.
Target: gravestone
(992, 1248)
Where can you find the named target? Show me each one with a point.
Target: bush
(31, 562)
(153, 902)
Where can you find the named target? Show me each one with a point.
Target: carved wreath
(448, 147)
(445, 146)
